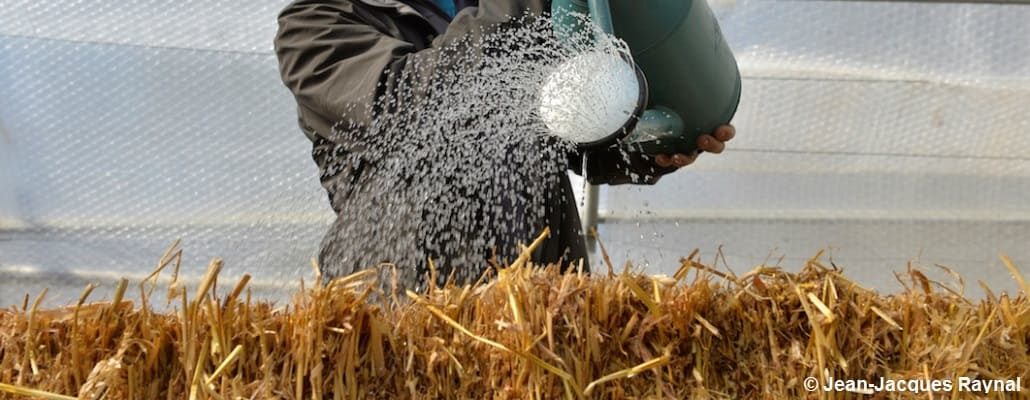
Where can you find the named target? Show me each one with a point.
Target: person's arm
(615, 166)
(337, 63)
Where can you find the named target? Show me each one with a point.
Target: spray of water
(455, 162)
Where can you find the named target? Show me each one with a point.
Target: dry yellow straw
(546, 335)
(32, 392)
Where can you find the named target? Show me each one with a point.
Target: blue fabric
(447, 6)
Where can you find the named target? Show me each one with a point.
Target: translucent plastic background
(132, 124)
(883, 131)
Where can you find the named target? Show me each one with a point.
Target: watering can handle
(600, 12)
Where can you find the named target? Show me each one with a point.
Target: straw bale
(532, 332)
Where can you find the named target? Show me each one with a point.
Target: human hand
(712, 143)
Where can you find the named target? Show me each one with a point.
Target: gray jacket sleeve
(616, 166)
(337, 59)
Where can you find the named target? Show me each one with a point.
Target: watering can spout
(678, 47)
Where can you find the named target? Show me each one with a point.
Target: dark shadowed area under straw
(531, 333)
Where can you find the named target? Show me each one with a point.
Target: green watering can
(678, 47)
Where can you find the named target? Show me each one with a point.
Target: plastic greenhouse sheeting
(883, 131)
